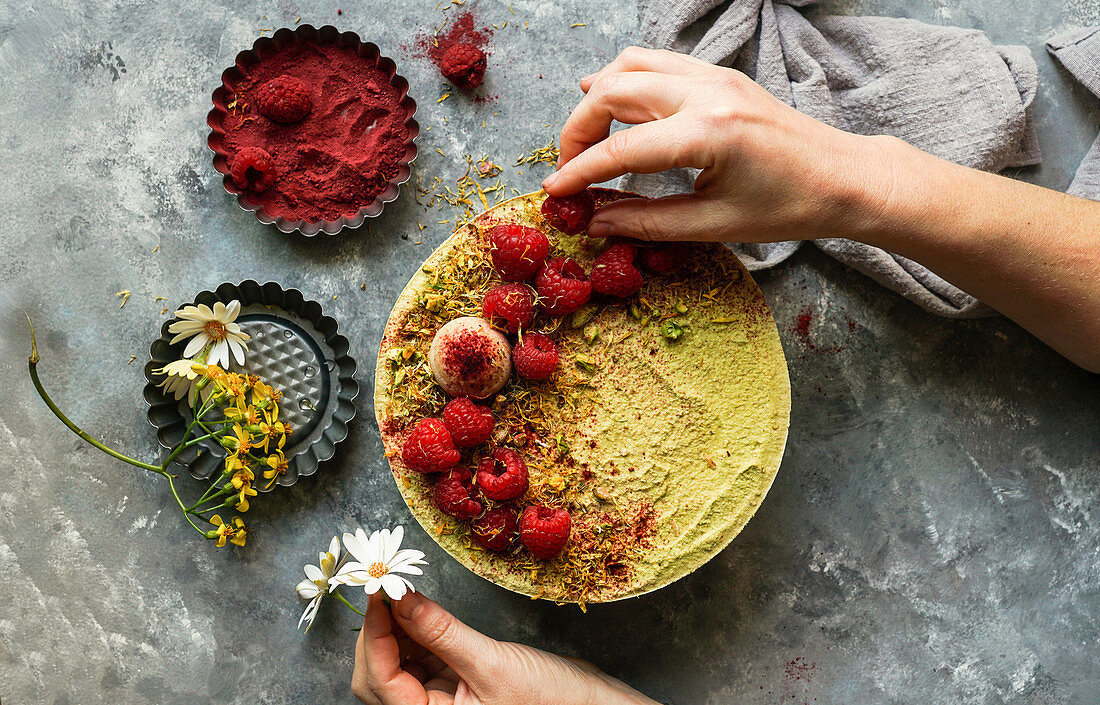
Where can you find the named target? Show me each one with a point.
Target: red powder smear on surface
(460, 30)
(802, 327)
(338, 158)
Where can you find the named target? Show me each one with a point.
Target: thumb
(680, 217)
(439, 631)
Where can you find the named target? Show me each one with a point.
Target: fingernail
(588, 77)
(599, 229)
(409, 606)
(549, 180)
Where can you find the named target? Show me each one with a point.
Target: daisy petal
(189, 327)
(313, 572)
(394, 543)
(394, 586)
(307, 589)
(231, 311)
(237, 350)
(196, 344)
(356, 547)
(310, 613)
(219, 354)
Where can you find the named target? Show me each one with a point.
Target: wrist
(907, 200)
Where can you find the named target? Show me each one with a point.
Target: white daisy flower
(317, 582)
(214, 327)
(179, 380)
(378, 559)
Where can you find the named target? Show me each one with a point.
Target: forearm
(1028, 252)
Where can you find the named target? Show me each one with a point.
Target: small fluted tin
(295, 348)
(323, 35)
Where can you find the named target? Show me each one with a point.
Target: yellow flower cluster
(253, 437)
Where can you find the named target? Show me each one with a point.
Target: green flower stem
(224, 505)
(213, 486)
(209, 498)
(343, 599)
(32, 366)
(179, 501)
(200, 439)
(187, 433)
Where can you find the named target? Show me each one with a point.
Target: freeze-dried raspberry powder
(337, 159)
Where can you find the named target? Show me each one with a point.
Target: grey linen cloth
(946, 90)
(1079, 52)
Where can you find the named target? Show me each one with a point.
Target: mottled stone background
(931, 536)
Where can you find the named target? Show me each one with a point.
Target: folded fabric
(1079, 51)
(946, 90)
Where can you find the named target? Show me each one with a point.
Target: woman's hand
(771, 173)
(417, 653)
(768, 172)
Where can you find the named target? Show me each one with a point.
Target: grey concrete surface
(932, 535)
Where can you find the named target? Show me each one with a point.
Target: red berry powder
(338, 158)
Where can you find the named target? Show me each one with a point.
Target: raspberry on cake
(253, 169)
(544, 530)
(469, 358)
(503, 476)
(614, 273)
(535, 357)
(430, 448)
(452, 495)
(470, 424)
(665, 259)
(569, 214)
(495, 530)
(284, 99)
(512, 303)
(517, 250)
(464, 66)
(563, 287)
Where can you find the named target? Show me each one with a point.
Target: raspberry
(562, 286)
(614, 273)
(665, 260)
(535, 357)
(252, 168)
(283, 99)
(544, 531)
(515, 303)
(517, 251)
(496, 529)
(469, 423)
(430, 448)
(452, 495)
(503, 476)
(464, 66)
(571, 213)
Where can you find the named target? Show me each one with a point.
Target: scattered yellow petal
(125, 294)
